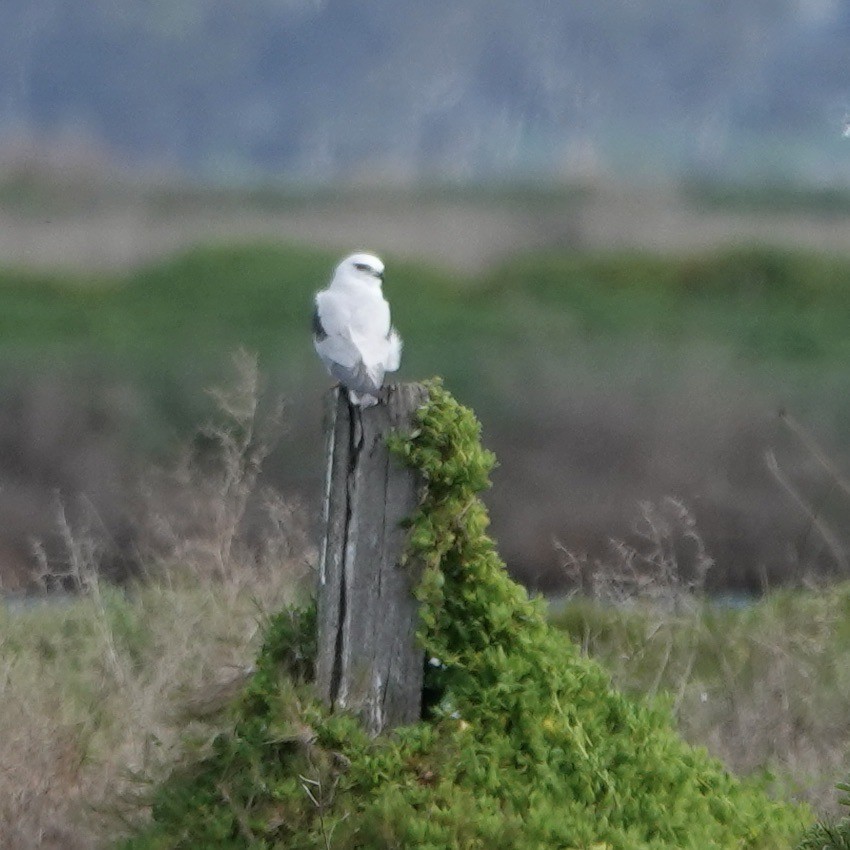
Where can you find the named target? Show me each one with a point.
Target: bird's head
(360, 268)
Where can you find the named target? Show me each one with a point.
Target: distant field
(85, 221)
(783, 311)
(602, 380)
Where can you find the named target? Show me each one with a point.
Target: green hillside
(765, 308)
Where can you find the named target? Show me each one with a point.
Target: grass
(762, 684)
(96, 692)
(107, 690)
(179, 317)
(90, 688)
(103, 689)
(627, 375)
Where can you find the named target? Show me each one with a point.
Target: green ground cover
(527, 744)
(105, 683)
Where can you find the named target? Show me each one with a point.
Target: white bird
(352, 331)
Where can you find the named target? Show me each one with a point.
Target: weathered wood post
(368, 658)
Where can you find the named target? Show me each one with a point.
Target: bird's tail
(360, 378)
(394, 346)
(362, 399)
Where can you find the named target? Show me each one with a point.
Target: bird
(352, 332)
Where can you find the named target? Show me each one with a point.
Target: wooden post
(368, 658)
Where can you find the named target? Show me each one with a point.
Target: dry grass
(662, 574)
(102, 686)
(67, 218)
(764, 685)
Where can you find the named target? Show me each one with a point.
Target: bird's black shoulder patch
(318, 331)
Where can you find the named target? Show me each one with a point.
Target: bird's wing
(358, 378)
(331, 335)
(319, 331)
(339, 350)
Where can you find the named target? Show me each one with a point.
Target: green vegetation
(761, 303)
(627, 375)
(772, 198)
(74, 719)
(761, 306)
(764, 686)
(528, 745)
(172, 324)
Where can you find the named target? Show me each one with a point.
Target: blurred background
(620, 231)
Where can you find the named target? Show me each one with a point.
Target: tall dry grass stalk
(97, 683)
(663, 569)
(815, 508)
(211, 515)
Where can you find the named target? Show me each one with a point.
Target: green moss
(528, 745)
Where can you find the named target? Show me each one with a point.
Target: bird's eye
(362, 267)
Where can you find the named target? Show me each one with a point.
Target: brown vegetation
(74, 219)
(103, 688)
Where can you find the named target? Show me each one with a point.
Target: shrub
(527, 744)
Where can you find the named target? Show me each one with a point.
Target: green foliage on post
(526, 745)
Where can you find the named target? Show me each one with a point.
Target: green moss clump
(528, 745)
